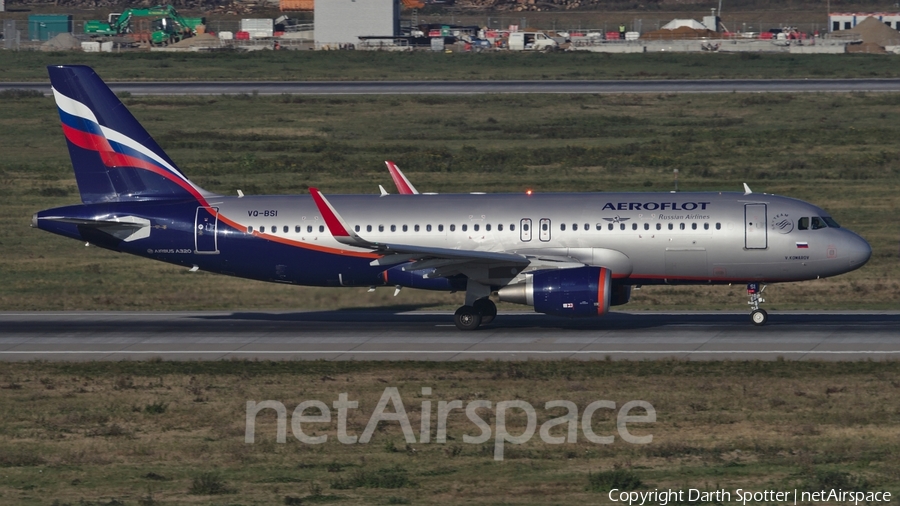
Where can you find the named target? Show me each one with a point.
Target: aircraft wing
(399, 253)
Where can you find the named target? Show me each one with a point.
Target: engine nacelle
(585, 291)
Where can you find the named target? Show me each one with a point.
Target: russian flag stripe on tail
(802, 245)
(114, 158)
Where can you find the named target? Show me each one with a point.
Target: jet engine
(585, 291)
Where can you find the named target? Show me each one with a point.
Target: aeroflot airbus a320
(565, 254)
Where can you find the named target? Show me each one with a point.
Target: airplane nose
(858, 251)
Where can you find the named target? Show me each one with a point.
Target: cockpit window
(830, 221)
(817, 223)
(803, 224)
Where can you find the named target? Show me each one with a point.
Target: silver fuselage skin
(643, 238)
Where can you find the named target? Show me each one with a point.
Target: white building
(847, 20)
(340, 22)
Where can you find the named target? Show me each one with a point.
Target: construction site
(403, 25)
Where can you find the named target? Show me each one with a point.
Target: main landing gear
(757, 316)
(482, 311)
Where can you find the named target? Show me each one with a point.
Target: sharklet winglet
(339, 228)
(400, 179)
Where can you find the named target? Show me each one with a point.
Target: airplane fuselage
(643, 238)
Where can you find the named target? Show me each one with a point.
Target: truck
(158, 25)
(531, 41)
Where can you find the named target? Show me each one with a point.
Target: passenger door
(755, 232)
(206, 224)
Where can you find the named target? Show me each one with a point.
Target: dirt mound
(876, 32)
(680, 33)
(62, 42)
(866, 47)
(201, 40)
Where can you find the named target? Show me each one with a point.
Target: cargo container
(47, 26)
(258, 28)
(297, 5)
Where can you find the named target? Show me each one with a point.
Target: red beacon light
(528, 192)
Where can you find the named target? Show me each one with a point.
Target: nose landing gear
(758, 316)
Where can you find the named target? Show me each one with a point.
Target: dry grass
(778, 143)
(126, 431)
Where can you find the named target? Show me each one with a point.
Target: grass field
(380, 66)
(173, 433)
(839, 151)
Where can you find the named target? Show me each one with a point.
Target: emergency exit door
(525, 229)
(755, 234)
(206, 224)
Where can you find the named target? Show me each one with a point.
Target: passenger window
(453, 228)
(394, 228)
(693, 226)
(818, 223)
(309, 228)
(706, 226)
(500, 227)
(681, 226)
(610, 226)
(440, 228)
(465, 227)
(544, 227)
(562, 226)
(512, 228)
(250, 229)
(381, 228)
(405, 228)
(357, 228)
(428, 228)
(274, 229)
(285, 229)
(416, 228)
(476, 227)
(488, 227)
(587, 226)
(599, 226)
(622, 226)
(634, 226)
(368, 228)
(574, 227)
(659, 226)
(718, 226)
(321, 228)
(646, 226)
(526, 227)
(671, 226)
(297, 229)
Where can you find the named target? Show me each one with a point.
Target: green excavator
(159, 26)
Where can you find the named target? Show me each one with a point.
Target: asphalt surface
(385, 335)
(475, 87)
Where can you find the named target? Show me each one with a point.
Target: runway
(386, 335)
(480, 87)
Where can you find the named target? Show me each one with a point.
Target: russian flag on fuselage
(114, 158)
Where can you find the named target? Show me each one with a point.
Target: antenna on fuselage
(747, 190)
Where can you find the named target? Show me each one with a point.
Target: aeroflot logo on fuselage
(653, 206)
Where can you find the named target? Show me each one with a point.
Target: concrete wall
(343, 21)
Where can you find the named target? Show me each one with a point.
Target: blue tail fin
(114, 158)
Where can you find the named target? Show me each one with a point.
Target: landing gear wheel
(759, 317)
(487, 308)
(467, 318)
